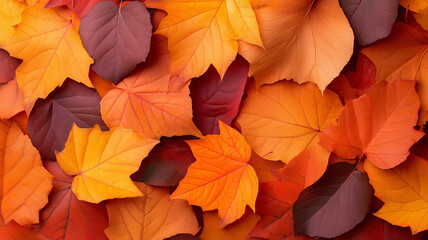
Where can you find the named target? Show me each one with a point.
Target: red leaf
(8, 66)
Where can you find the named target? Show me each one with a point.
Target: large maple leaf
(201, 33)
(103, 161)
(221, 178)
(25, 183)
(286, 117)
(304, 40)
(51, 51)
(378, 125)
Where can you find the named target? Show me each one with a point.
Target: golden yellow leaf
(221, 177)
(51, 51)
(10, 15)
(304, 40)
(151, 217)
(103, 161)
(414, 5)
(201, 33)
(286, 118)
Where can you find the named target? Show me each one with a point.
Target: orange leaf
(145, 103)
(25, 183)
(10, 15)
(51, 51)
(414, 5)
(236, 230)
(13, 231)
(221, 177)
(201, 33)
(10, 100)
(307, 41)
(264, 167)
(286, 118)
(404, 191)
(152, 217)
(379, 125)
(103, 162)
(403, 56)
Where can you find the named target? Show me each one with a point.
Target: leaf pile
(222, 119)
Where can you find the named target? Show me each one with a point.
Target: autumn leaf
(378, 125)
(8, 66)
(51, 51)
(403, 191)
(118, 38)
(402, 56)
(146, 102)
(307, 41)
(10, 100)
(216, 99)
(201, 33)
(414, 5)
(286, 125)
(25, 183)
(10, 14)
(221, 177)
(80, 7)
(151, 217)
(102, 162)
(236, 230)
(67, 218)
(14, 231)
(276, 197)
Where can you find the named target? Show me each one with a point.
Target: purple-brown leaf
(117, 38)
(8, 66)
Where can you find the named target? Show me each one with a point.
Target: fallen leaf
(236, 230)
(8, 66)
(118, 38)
(145, 103)
(166, 164)
(67, 218)
(51, 119)
(10, 15)
(51, 51)
(414, 5)
(221, 177)
(80, 7)
(403, 191)
(151, 217)
(201, 33)
(216, 99)
(378, 125)
(403, 56)
(370, 20)
(25, 183)
(264, 167)
(307, 41)
(276, 198)
(14, 231)
(286, 117)
(102, 162)
(102, 86)
(323, 209)
(10, 100)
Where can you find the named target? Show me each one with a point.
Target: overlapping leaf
(102, 162)
(11, 101)
(80, 7)
(304, 40)
(201, 33)
(14, 231)
(8, 66)
(286, 118)
(221, 177)
(10, 13)
(151, 217)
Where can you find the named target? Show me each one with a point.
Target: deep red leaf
(117, 38)
(215, 99)
(8, 66)
(51, 119)
(80, 7)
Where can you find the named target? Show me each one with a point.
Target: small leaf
(8, 66)
(80, 7)
(10, 100)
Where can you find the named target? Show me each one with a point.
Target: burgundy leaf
(51, 119)
(370, 19)
(80, 7)
(117, 38)
(213, 98)
(8, 66)
(183, 236)
(334, 204)
(166, 164)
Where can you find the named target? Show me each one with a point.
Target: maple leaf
(10, 14)
(378, 125)
(221, 177)
(51, 119)
(103, 161)
(51, 51)
(14, 231)
(402, 56)
(67, 218)
(25, 183)
(286, 125)
(151, 217)
(201, 33)
(307, 41)
(146, 103)
(118, 38)
(237, 230)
